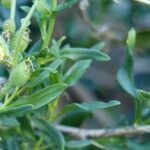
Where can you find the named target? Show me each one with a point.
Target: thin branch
(123, 131)
(147, 2)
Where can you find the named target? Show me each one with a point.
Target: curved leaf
(84, 53)
(55, 135)
(90, 106)
(41, 97)
(125, 74)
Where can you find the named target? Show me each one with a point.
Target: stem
(23, 28)
(138, 112)
(93, 133)
(8, 101)
(13, 10)
(143, 1)
(51, 24)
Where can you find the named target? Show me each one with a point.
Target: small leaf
(41, 97)
(99, 46)
(65, 5)
(144, 96)
(55, 136)
(44, 8)
(84, 53)
(78, 144)
(8, 121)
(76, 72)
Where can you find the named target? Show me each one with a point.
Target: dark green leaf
(18, 111)
(74, 117)
(78, 144)
(55, 136)
(125, 74)
(26, 127)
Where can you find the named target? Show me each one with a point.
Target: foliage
(38, 74)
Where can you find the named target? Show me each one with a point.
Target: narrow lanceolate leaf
(53, 134)
(18, 111)
(84, 53)
(76, 72)
(65, 5)
(41, 97)
(90, 106)
(78, 144)
(125, 74)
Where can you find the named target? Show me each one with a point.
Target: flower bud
(20, 74)
(3, 49)
(23, 42)
(8, 25)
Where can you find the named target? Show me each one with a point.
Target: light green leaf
(76, 72)
(41, 97)
(65, 5)
(99, 46)
(84, 53)
(44, 8)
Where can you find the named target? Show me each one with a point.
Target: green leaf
(74, 117)
(65, 5)
(9, 121)
(125, 74)
(41, 97)
(99, 46)
(84, 53)
(90, 106)
(26, 127)
(78, 144)
(45, 74)
(144, 96)
(18, 111)
(55, 136)
(76, 72)
(44, 8)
